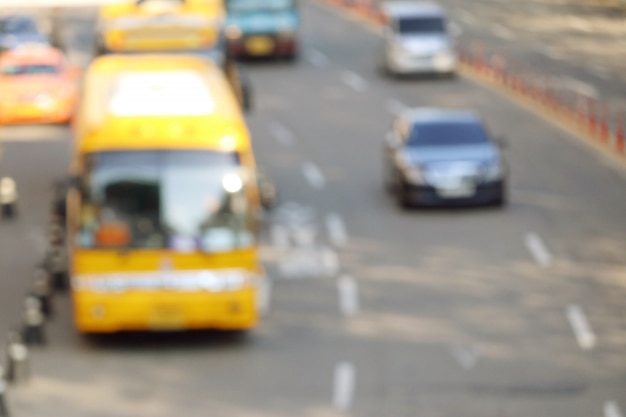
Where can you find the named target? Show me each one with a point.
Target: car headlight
(8, 191)
(398, 49)
(233, 32)
(492, 170)
(414, 175)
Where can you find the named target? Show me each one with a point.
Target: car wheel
(501, 200)
(291, 57)
(9, 211)
(402, 197)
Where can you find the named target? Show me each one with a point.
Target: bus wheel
(9, 210)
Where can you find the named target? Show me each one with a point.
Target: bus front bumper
(165, 311)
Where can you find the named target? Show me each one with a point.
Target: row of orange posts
(587, 114)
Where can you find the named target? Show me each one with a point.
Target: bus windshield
(178, 200)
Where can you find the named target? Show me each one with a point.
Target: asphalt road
(374, 311)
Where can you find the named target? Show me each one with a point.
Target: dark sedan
(443, 157)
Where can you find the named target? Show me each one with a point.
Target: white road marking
(538, 250)
(354, 81)
(336, 230)
(611, 409)
(394, 106)
(344, 385)
(304, 235)
(467, 357)
(581, 87)
(318, 59)
(283, 135)
(279, 236)
(313, 175)
(329, 261)
(580, 325)
(293, 213)
(503, 32)
(348, 295)
(265, 296)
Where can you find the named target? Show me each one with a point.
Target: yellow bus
(162, 212)
(158, 25)
(171, 26)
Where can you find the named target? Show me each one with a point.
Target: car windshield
(28, 69)
(16, 26)
(421, 25)
(244, 6)
(191, 200)
(447, 134)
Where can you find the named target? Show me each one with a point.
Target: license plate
(259, 45)
(456, 191)
(161, 36)
(167, 318)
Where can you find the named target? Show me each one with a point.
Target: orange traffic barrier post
(604, 123)
(591, 116)
(619, 133)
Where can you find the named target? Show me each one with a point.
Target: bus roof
(158, 101)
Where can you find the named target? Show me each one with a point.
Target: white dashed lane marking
(282, 135)
(611, 409)
(337, 233)
(313, 175)
(343, 386)
(580, 325)
(348, 296)
(466, 357)
(538, 250)
(317, 59)
(354, 81)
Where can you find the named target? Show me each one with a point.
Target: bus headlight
(232, 183)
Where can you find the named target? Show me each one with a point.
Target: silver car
(418, 38)
(443, 157)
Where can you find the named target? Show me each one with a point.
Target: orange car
(37, 85)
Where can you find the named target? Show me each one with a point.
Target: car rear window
(447, 134)
(421, 25)
(29, 69)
